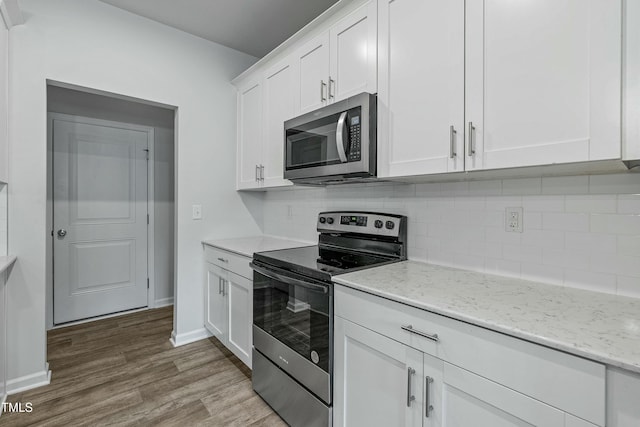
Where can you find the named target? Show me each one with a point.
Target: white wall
(581, 231)
(91, 44)
(73, 102)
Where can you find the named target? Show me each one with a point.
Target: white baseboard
(28, 382)
(181, 339)
(163, 302)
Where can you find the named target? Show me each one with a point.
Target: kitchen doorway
(110, 206)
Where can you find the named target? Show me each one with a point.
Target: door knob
(62, 232)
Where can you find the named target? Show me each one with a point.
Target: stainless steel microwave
(333, 143)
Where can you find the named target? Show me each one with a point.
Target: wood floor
(124, 371)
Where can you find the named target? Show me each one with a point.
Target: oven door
(293, 325)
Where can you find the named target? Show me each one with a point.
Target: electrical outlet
(196, 212)
(513, 220)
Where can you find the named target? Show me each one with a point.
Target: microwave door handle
(340, 137)
(288, 280)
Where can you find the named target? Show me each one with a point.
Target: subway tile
(591, 242)
(521, 253)
(485, 188)
(589, 280)
(454, 188)
(565, 221)
(615, 224)
(502, 267)
(441, 203)
(622, 183)
(487, 249)
(521, 186)
(470, 261)
(629, 245)
(629, 204)
(591, 204)
(628, 286)
(469, 203)
(544, 239)
(500, 203)
(498, 235)
(428, 189)
(615, 264)
(543, 204)
(566, 259)
(565, 185)
(542, 273)
(530, 221)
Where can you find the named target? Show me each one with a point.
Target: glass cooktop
(320, 262)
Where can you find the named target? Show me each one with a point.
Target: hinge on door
(146, 150)
(147, 283)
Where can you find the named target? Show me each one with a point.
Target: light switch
(196, 212)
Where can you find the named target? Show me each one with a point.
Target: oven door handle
(288, 280)
(340, 137)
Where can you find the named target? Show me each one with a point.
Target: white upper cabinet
(340, 62)
(421, 87)
(279, 97)
(312, 64)
(353, 54)
(497, 84)
(249, 153)
(543, 82)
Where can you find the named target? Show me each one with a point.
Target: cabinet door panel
(312, 66)
(249, 134)
(353, 53)
(371, 379)
(473, 400)
(239, 294)
(543, 81)
(279, 96)
(215, 302)
(421, 87)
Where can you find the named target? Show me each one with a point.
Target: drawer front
(235, 263)
(567, 382)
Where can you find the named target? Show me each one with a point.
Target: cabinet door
(421, 87)
(4, 104)
(542, 81)
(3, 336)
(312, 67)
(471, 400)
(249, 134)
(279, 97)
(374, 377)
(215, 302)
(354, 54)
(239, 294)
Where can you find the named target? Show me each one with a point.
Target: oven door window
(297, 316)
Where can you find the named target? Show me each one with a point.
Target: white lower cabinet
(229, 305)
(388, 378)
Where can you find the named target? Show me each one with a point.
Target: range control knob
(378, 223)
(390, 225)
(329, 220)
(322, 220)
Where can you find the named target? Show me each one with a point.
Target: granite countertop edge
(514, 331)
(257, 243)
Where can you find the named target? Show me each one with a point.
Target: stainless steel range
(293, 309)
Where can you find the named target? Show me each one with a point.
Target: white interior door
(99, 218)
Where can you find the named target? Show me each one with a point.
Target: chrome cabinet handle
(410, 396)
(332, 84)
(340, 133)
(472, 145)
(223, 260)
(257, 179)
(428, 406)
(62, 232)
(219, 285)
(452, 142)
(323, 85)
(432, 337)
(224, 293)
(261, 172)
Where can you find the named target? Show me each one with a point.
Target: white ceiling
(251, 26)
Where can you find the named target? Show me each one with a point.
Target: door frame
(150, 209)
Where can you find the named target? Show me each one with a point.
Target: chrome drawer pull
(427, 404)
(409, 328)
(223, 260)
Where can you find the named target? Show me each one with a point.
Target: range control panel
(376, 224)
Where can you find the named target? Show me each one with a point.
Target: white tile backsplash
(579, 231)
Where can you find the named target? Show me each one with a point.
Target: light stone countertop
(6, 262)
(246, 246)
(597, 326)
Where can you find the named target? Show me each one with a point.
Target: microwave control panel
(354, 139)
